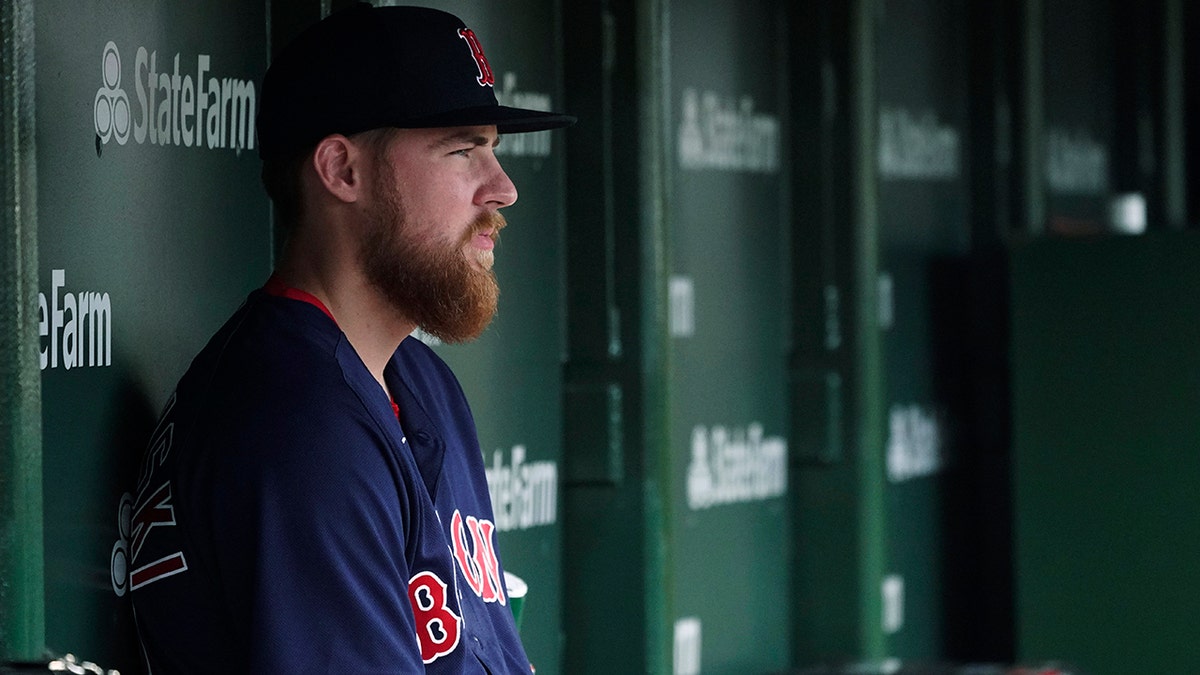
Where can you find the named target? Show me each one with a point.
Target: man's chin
(468, 322)
(479, 259)
(460, 333)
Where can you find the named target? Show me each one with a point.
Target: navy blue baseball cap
(367, 67)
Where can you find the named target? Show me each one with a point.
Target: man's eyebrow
(468, 137)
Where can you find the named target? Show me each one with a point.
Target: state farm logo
(112, 105)
(191, 108)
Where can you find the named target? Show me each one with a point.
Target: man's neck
(371, 324)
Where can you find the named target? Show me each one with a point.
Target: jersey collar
(276, 286)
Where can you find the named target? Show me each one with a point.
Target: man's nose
(499, 191)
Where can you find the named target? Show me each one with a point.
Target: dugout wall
(780, 230)
(150, 231)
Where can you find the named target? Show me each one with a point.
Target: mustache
(491, 221)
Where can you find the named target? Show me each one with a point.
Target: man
(314, 499)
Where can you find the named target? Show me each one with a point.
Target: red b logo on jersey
(485, 79)
(438, 627)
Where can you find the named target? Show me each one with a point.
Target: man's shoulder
(271, 330)
(275, 361)
(279, 381)
(267, 342)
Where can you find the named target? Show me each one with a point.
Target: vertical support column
(22, 605)
(979, 529)
(868, 349)
(824, 614)
(1172, 168)
(615, 545)
(1148, 48)
(1190, 23)
(1030, 201)
(839, 503)
(651, 17)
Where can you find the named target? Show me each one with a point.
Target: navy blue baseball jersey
(289, 519)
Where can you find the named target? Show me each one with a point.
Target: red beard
(429, 283)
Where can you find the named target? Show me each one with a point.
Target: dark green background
(1106, 388)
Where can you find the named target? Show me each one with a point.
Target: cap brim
(506, 120)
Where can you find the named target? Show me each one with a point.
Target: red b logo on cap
(485, 79)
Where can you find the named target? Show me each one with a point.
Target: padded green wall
(1106, 388)
(163, 232)
(729, 314)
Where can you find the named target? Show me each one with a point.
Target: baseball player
(313, 498)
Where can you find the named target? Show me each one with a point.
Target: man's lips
(485, 240)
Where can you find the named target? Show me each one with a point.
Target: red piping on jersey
(276, 286)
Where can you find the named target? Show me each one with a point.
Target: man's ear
(338, 164)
